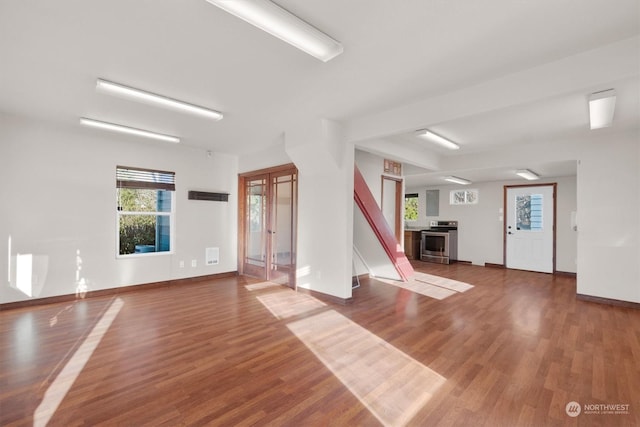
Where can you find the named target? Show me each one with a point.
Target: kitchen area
(437, 243)
(479, 234)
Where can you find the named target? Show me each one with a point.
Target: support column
(325, 206)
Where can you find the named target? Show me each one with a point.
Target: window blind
(131, 177)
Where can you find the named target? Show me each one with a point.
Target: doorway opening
(392, 204)
(267, 224)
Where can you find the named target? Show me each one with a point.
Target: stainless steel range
(439, 243)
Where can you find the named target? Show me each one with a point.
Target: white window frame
(171, 215)
(469, 197)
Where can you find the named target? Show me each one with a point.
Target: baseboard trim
(326, 297)
(491, 265)
(565, 273)
(114, 291)
(609, 301)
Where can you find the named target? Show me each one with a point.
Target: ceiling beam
(586, 71)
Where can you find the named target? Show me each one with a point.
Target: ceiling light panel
(129, 130)
(527, 174)
(282, 24)
(444, 142)
(457, 180)
(144, 96)
(601, 107)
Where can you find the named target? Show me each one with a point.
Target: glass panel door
(255, 226)
(283, 226)
(269, 224)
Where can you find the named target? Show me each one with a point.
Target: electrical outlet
(181, 264)
(194, 263)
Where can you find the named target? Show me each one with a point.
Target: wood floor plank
(512, 350)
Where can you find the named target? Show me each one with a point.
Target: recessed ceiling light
(457, 180)
(141, 95)
(601, 107)
(129, 130)
(282, 24)
(430, 136)
(527, 174)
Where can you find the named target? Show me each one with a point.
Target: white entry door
(529, 228)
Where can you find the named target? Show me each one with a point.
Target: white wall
(325, 207)
(609, 218)
(480, 233)
(369, 250)
(371, 167)
(58, 197)
(273, 156)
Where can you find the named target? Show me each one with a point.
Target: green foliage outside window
(139, 228)
(136, 230)
(411, 208)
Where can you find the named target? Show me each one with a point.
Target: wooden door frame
(294, 222)
(555, 219)
(397, 227)
(242, 208)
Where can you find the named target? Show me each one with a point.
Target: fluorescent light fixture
(129, 130)
(282, 24)
(457, 180)
(527, 174)
(141, 95)
(601, 107)
(428, 135)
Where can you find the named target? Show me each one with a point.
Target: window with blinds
(145, 208)
(128, 177)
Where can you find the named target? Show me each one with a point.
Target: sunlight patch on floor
(262, 285)
(443, 282)
(431, 286)
(391, 385)
(288, 303)
(60, 386)
(421, 288)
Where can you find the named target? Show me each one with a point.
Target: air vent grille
(211, 197)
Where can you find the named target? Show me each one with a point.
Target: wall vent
(212, 256)
(211, 197)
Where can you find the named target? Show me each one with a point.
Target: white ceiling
(490, 75)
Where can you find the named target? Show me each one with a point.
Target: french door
(530, 227)
(268, 224)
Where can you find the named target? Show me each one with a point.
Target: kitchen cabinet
(412, 244)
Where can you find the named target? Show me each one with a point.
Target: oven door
(434, 246)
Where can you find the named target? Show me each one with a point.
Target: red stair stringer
(372, 212)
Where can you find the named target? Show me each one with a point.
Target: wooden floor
(512, 351)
